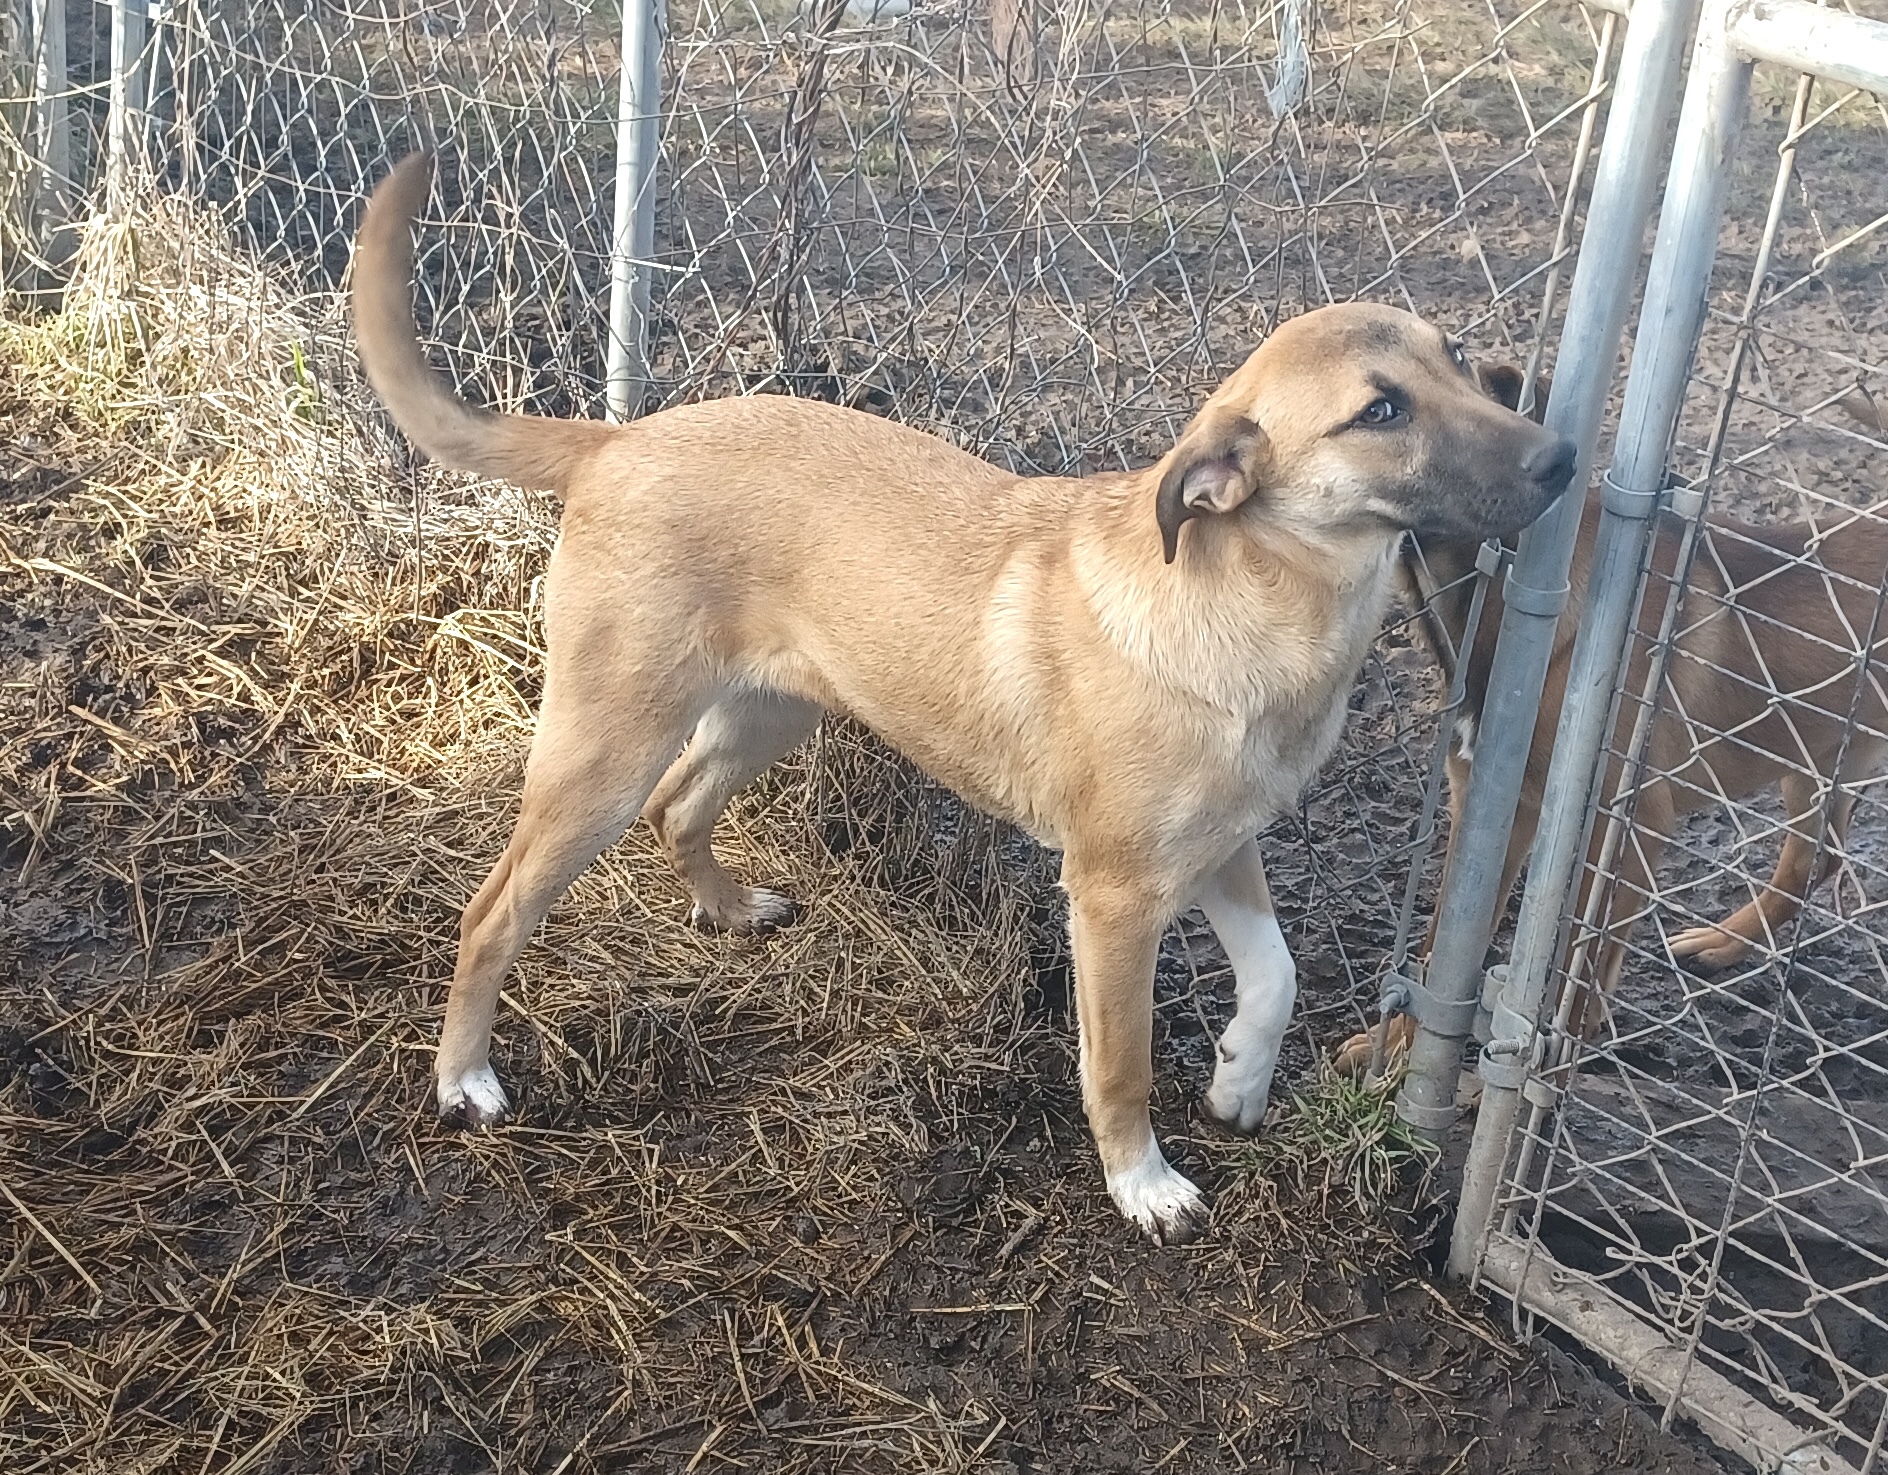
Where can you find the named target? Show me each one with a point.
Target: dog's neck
(1250, 617)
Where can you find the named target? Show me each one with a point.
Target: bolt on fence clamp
(1399, 989)
(1507, 1056)
(1625, 502)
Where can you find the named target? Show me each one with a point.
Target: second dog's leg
(1238, 903)
(1759, 921)
(1115, 932)
(1630, 895)
(739, 738)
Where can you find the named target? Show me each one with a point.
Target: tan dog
(1757, 693)
(1141, 669)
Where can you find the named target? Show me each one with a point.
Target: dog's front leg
(1238, 903)
(1115, 931)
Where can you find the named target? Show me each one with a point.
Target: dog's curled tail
(526, 450)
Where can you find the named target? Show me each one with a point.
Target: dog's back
(1768, 669)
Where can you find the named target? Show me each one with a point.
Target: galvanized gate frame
(1445, 998)
(1732, 36)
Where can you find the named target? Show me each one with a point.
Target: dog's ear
(1218, 462)
(1502, 384)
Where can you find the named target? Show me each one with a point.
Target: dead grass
(271, 714)
(815, 1202)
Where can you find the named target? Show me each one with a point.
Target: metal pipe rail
(1536, 591)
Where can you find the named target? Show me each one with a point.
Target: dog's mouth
(1546, 471)
(1505, 506)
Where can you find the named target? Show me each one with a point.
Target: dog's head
(1358, 416)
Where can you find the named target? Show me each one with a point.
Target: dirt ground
(819, 1201)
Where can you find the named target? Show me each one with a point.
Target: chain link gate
(1694, 1185)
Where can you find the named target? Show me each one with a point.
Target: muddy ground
(819, 1201)
(815, 1202)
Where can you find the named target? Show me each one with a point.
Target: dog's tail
(526, 450)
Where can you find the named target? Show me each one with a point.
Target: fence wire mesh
(1719, 1157)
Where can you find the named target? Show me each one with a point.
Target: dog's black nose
(1551, 465)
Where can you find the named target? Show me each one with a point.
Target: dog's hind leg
(1238, 903)
(1631, 893)
(602, 742)
(737, 739)
(1114, 930)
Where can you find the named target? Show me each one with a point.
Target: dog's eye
(1381, 412)
(1456, 353)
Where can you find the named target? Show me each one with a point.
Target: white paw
(474, 1099)
(1242, 1086)
(759, 910)
(1168, 1209)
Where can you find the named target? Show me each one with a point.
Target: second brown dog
(1758, 692)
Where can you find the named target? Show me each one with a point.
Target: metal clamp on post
(1493, 982)
(1624, 502)
(1544, 604)
(1398, 990)
(1687, 502)
(1426, 1118)
(1505, 1058)
(1405, 995)
(1502, 1066)
(1507, 1055)
(1452, 1018)
(1490, 557)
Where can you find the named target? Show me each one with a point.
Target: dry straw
(268, 690)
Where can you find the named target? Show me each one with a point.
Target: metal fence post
(632, 243)
(52, 136)
(124, 119)
(1668, 330)
(16, 74)
(1536, 589)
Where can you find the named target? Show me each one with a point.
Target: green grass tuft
(1339, 1134)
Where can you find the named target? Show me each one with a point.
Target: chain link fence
(1699, 1183)
(1045, 233)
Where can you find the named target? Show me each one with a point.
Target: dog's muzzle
(1550, 466)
